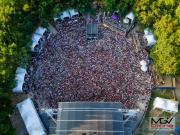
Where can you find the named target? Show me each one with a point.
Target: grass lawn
(144, 128)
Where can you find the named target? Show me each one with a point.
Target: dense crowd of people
(71, 68)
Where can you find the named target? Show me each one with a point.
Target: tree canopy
(17, 21)
(163, 16)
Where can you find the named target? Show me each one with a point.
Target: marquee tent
(129, 16)
(165, 105)
(144, 68)
(40, 31)
(73, 13)
(35, 41)
(31, 118)
(64, 15)
(33, 46)
(36, 38)
(38, 34)
(143, 63)
(20, 75)
(149, 36)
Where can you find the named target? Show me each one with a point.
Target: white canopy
(37, 36)
(65, 14)
(149, 36)
(20, 75)
(30, 117)
(40, 31)
(33, 45)
(130, 16)
(143, 63)
(73, 12)
(166, 105)
(35, 40)
(144, 68)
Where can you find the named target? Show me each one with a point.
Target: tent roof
(125, 20)
(149, 36)
(30, 117)
(166, 104)
(40, 30)
(90, 117)
(143, 63)
(20, 75)
(33, 45)
(73, 12)
(36, 38)
(65, 14)
(130, 15)
(144, 68)
(150, 39)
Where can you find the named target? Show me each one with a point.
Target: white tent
(144, 68)
(35, 40)
(30, 117)
(34, 45)
(73, 12)
(65, 14)
(143, 63)
(149, 36)
(129, 16)
(40, 31)
(166, 105)
(20, 75)
(37, 36)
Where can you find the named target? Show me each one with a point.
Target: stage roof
(92, 118)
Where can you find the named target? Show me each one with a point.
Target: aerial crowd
(71, 68)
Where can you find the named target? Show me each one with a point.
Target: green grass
(144, 128)
(168, 94)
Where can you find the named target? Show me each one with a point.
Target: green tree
(163, 17)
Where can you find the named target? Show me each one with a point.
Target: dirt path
(177, 91)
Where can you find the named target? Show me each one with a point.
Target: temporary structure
(149, 36)
(40, 31)
(35, 41)
(129, 16)
(143, 63)
(38, 34)
(165, 105)
(31, 118)
(73, 13)
(144, 68)
(20, 75)
(64, 15)
(36, 38)
(34, 44)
